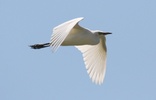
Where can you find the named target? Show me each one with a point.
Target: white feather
(90, 43)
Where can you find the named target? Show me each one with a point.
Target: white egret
(92, 44)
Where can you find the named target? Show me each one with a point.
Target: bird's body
(80, 36)
(90, 43)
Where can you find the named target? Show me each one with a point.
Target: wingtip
(79, 18)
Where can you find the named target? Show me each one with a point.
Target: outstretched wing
(94, 57)
(60, 33)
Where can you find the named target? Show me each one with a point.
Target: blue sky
(27, 74)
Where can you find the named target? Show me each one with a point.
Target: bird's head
(101, 32)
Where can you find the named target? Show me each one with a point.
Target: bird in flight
(91, 43)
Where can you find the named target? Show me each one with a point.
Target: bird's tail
(39, 46)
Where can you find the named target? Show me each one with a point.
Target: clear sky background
(27, 74)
